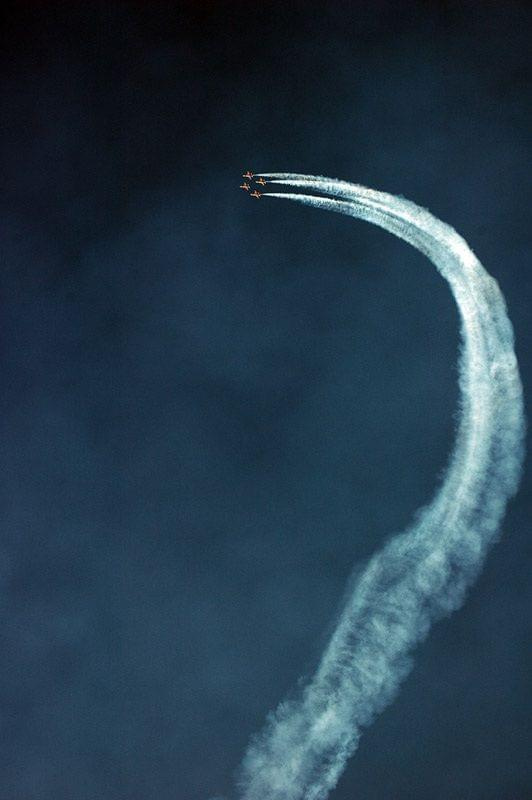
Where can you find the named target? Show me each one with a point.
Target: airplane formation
(249, 176)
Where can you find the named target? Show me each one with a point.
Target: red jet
(261, 181)
(245, 187)
(256, 194)
(247, 175)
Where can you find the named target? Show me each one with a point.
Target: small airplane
(247, 175)
(256, 194)
(261, 181)
(245, 186)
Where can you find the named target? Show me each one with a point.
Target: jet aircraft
(247, 175)
(256, 194)
(245, 186)
(261, 181)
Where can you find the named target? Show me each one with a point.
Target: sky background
(212, 409)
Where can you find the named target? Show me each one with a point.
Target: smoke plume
(423, 573)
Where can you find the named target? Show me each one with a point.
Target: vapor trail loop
(423, 573)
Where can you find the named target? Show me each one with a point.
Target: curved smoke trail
(423, 573)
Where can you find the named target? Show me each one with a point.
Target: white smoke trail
(423, 573)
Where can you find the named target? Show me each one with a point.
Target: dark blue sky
(212, 408)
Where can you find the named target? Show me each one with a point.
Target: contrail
(423, 573)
